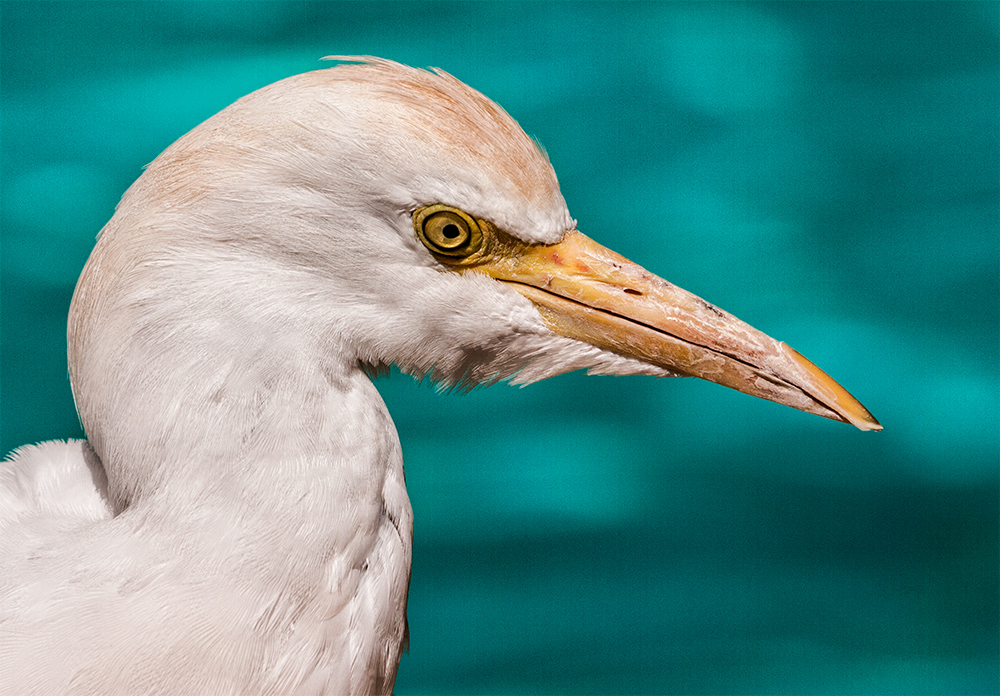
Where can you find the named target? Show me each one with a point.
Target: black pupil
(451, 231)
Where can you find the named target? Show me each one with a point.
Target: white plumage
(238, 522)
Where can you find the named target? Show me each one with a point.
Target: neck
(246, 447)
(275, 454)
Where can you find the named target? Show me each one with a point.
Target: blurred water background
(826, 171)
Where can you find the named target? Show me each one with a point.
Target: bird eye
(447, 231)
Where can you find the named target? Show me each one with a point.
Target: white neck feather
(223, 416)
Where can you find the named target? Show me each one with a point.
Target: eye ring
(447, 231)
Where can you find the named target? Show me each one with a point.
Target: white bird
(237, 521)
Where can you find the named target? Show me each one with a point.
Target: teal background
(827, 172)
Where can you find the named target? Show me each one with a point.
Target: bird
(237, 521)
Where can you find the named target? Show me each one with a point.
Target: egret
(237, 521)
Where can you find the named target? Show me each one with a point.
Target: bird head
(374, 214)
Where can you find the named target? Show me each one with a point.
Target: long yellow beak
(590, 293)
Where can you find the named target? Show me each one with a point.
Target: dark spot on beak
(630, 291)
(711, 307)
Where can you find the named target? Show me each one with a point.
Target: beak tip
(834, 396)
(869, 422)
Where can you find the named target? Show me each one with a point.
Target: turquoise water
(827, 172)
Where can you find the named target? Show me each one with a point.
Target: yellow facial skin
(587, 292)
